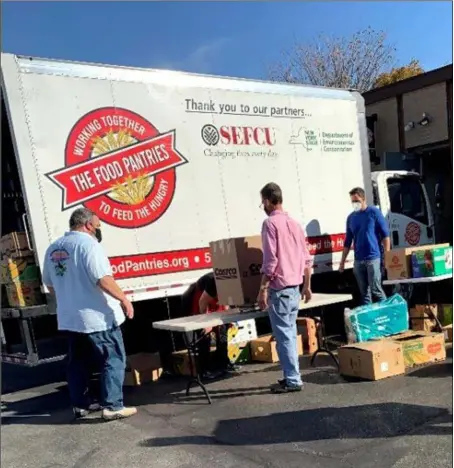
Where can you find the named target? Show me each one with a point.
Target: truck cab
(402, 198)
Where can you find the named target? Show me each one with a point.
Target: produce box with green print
(433, 261)
(13, 270)
(239, 353)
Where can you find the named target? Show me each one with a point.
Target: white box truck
(171, 161)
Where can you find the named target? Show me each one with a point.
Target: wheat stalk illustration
(129, 191)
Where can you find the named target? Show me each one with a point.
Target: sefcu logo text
(235, 136)
(231, 141)
(225, 273)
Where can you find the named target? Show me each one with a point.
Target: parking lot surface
(401, 422)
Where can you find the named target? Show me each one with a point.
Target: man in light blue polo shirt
(90, 309)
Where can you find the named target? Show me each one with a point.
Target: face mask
(98, 234)
(356, 206)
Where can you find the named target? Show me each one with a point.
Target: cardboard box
(14, 245)
(240, 332)
(263, 349)
(18, 269)
(307, 328)
(372, 360)
(180, 360)
(142, 368)
(236, 265)
(24, 294)
(433, 261)
(420, 347)
(398, 261)
(421, 317)
(447, 330)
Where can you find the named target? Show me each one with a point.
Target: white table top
(428, 279)
(198, 322)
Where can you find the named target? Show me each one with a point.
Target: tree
(399, 73)
(353, 62)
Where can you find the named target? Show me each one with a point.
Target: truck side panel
(171, 161)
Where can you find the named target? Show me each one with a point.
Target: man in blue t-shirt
(366, 228)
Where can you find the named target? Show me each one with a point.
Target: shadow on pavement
(372, 421)
(18, 378)
(53, 408)
(443, 369)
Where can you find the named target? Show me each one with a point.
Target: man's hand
(341, 267)
(128, 309)
(262, 299)
(307, 294)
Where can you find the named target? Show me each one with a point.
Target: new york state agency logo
(120, 166)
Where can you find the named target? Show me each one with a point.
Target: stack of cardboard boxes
(418, 262)
(392, 355)
(19, 273)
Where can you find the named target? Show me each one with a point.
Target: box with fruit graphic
(421, 347)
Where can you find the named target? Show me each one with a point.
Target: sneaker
(233, 368)
(110, 415)
(211, 375)
(282, 387)
(84, 412)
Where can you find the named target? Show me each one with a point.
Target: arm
(269, 245)
(109, 286)
(347, 245)
(204, 302)
(383, 231)
(308, 263)
(47, 280)
(100, 272)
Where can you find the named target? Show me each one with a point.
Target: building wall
(386, 127)
(433, 101)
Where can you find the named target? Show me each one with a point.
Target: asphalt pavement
(401, 422)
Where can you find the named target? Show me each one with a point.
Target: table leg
(433, 316)
(191, 346)
(322, 346)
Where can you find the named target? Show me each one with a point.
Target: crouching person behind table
(286, 264)
(202, 298)
(90, 309)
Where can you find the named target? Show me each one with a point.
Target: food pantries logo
(120, 166)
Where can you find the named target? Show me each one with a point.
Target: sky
(242, 39)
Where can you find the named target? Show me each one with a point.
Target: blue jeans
(368, 276)
(283, 311)
(104, 351)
